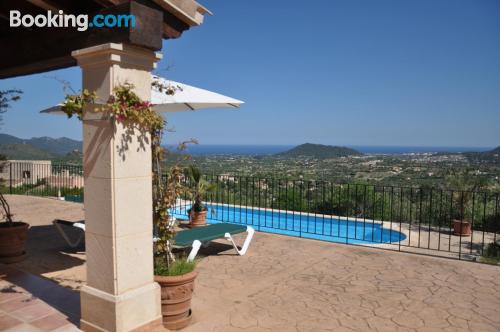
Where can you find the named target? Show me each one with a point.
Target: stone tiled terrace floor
(292, 284)
(30, 303)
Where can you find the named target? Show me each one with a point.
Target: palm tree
(200, 187)
(466, 186)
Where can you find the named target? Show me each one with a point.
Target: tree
(200, 188)
(466, 185)
(6, 97)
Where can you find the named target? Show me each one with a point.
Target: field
(409, 170)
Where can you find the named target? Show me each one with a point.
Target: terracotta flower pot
(13, 242)
(176, 293)
(198, 219)
(461, 228)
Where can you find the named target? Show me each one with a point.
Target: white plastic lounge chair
(196, 237)
(193, 238)
(59, 224)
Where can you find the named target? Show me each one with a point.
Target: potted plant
(177, 285)
(467, 185)
(175, 275)
(12, 235)
(461, 223)
(199, 188)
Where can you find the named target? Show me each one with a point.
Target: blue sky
(343, 72)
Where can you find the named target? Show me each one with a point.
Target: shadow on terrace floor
(48, 255)
(29, 289)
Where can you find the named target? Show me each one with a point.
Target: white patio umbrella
(184, 98)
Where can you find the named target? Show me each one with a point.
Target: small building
(18, 172)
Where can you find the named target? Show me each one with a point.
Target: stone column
(120, 294)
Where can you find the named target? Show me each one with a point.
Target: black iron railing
(453, 223)
(459, 223)
(42, 179)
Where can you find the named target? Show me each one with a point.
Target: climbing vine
(127, 108)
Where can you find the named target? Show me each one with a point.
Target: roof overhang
(31, 50)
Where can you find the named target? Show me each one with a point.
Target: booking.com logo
(61, 20)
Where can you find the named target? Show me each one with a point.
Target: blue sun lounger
(194, 238)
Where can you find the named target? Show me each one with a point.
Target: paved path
(292, 284)
(32, 304)
(48, 255)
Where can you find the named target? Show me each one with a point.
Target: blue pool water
(320, 227)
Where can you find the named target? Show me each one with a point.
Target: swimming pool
(320, 227)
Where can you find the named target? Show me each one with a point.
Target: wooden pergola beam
(44, 49)
(173, 25)
(44, 4)
(48, 49)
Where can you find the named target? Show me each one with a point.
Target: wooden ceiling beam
(44, 4)
(31, 50)
(48, 49)
(23, 6)
(109, 3)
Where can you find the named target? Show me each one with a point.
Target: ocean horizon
(249, 149)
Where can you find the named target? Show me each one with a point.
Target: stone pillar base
(125, 312)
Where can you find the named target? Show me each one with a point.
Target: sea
(249, 150)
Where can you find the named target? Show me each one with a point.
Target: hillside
(24, 152)
(9, 139)
(59, 146)
(319, 151)
(39, 148)
(487, 156)
(495, 151)
(74, 157)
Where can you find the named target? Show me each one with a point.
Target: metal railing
(38, 178)
(423, 220)
(458, 224)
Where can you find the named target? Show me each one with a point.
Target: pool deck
(293, 284)
(30, 303)
(434, 240)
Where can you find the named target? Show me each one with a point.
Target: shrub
(178, 267)
(492, 253)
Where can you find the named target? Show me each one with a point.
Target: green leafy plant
(492, 254)
(466, 185)
(6, 97)
(124, 106)
(74, 104)
(179, 267)
(165, 194)
(200, 187)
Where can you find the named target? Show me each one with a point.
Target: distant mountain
(74, 157)
(9, 139)
(319, 151)
(38, 147)
(488, 156)
(495, 151)
(60, 146)
(24, 152)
